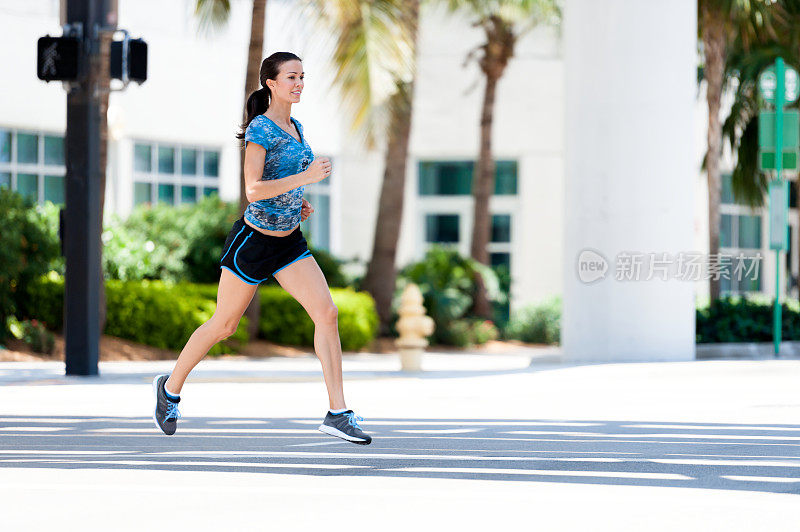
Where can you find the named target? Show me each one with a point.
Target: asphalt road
(473, 443)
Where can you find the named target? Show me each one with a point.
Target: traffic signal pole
(82, 223)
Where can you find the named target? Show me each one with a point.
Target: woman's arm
(257, 189)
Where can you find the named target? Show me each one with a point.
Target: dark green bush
(284, 320)
(170, 243)
(149, 312)
(538, 324)
(29, 248)
(447, 282)
(744, 319)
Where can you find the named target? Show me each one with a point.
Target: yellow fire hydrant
(413, 327)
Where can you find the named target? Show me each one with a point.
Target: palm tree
(213, 14)
(503, 22)
(745, 62)
(720, 23)
(374, 57)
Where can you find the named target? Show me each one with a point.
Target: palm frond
(748, 182)
(373, 50)
(211, 15)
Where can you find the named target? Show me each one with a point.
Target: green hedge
(165, 315)
(149, 312)
(285, 321)
(745, 319)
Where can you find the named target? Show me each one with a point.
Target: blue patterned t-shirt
(285, 156)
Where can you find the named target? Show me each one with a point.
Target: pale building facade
(172, 138)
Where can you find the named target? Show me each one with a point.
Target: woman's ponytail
(258, 101)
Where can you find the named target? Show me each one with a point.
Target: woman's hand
(318, 170)
(305, 210)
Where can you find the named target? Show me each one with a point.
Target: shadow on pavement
(763, 458)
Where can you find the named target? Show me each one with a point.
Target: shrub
(284, 320)
(149, 312)
(29, 248)
(181, 243)
(447, 282)
(539, 324)
(744, 319)
(33, 333)
(467, 332)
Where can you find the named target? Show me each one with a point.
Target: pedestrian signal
(58, 58)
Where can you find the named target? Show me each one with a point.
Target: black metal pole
(82, 224)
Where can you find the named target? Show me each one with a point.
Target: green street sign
(766, 159)
(778, 233)
(766, 129)
(768, 83)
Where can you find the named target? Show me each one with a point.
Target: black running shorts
(253, 256)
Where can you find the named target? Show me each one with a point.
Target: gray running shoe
(166, 414)
(345, 426)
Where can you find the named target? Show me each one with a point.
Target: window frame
(178, 179)
(40, 169)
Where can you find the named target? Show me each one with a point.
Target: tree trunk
(497, 51)
(381, 274)
(254, 53)
(482, 187)
(714, 49)
(379, 280)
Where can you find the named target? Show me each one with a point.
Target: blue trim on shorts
(241, 273)
(238, 277)
(304, 255)
(232, 241)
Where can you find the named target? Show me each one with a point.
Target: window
(317, 227)
(54, 188)
(441, 228)
(740, 231)
(32, 163)
(53, 150)
(501, 228)
(173, 174)
(189, 162)
(747, 280)
(166, 160)
(740, 234)
(454, 178)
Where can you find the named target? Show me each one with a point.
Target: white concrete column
(630, 68)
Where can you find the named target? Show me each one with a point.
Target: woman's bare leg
(306, 283)
(233, 296)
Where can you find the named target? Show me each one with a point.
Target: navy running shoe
(166, 414)
(345, 425)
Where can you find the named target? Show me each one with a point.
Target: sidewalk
(355, 366)
(475, 442)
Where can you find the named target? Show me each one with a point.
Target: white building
(173, 136)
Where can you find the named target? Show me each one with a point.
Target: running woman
(266, 241)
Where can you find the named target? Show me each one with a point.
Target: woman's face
(288, 84)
